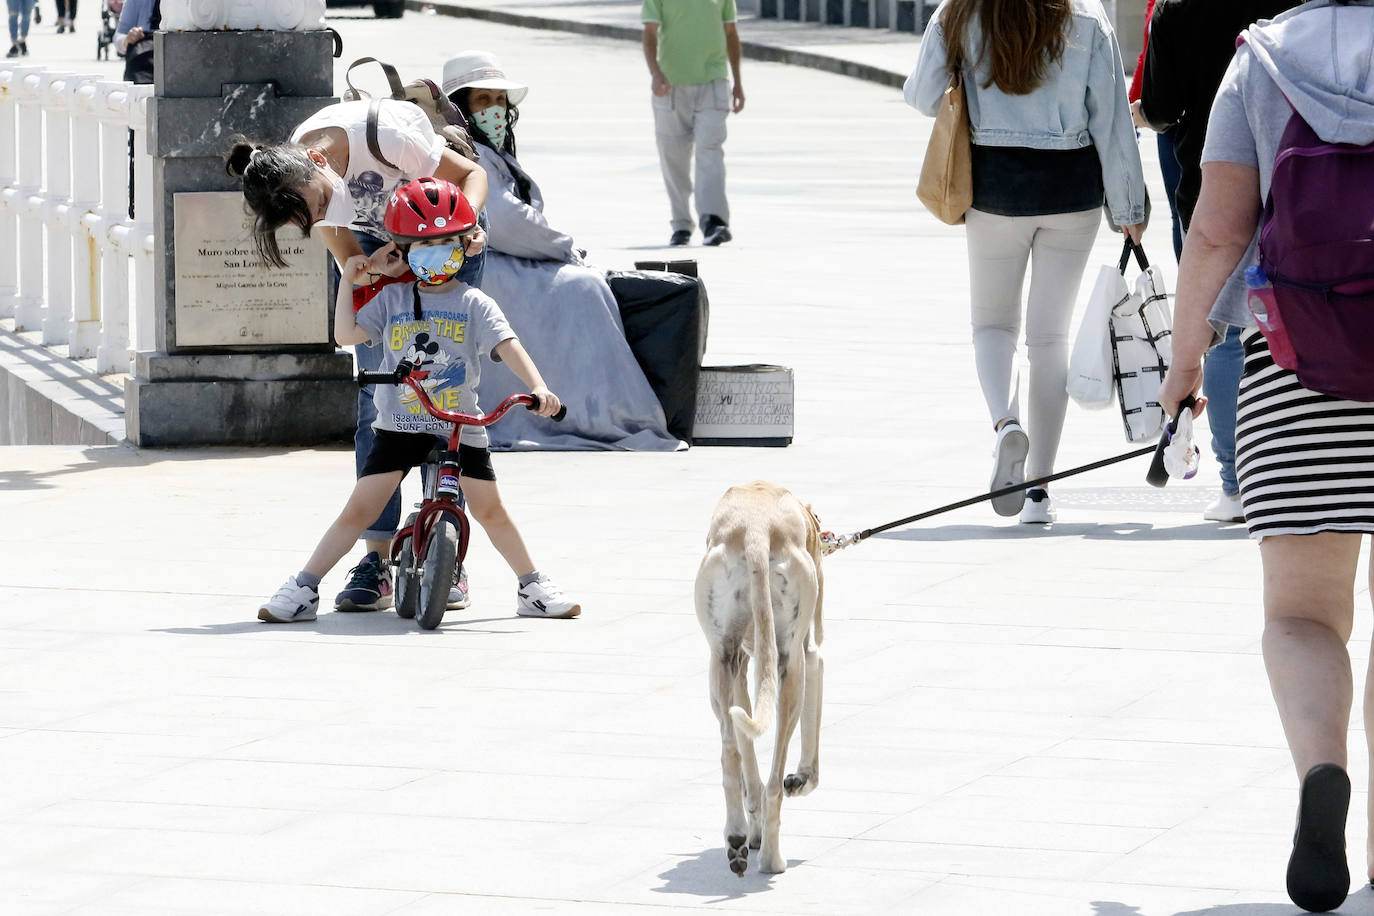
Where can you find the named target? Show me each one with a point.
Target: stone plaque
(226, 296)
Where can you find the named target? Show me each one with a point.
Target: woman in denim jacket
(1051, 131)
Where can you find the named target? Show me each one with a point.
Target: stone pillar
(232, 360)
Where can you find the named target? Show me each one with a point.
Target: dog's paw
(799, 784)
(737, 852)
(771, 862)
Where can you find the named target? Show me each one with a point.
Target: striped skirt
(1305, 461)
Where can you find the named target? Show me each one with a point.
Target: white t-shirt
(404, 136)
(458, 325)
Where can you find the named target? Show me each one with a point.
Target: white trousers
(999, 247)
(688, 116)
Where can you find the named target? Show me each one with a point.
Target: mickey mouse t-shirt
(458, 324)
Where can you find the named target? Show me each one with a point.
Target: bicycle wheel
(407, 582)
(441, 553)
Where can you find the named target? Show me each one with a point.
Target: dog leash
(1157, 476)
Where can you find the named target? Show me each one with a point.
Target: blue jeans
(1172, 172)
(1221, 384)
(19, 19)
(370, 357)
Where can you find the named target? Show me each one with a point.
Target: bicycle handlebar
(366, 378)
(402, 374)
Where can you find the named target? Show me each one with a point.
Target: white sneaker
(545, 599)
(1038, 509)
(1226, 508)
(291, 604)
(1009, 467)
(458, 595)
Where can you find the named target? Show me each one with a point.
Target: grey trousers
(693, 115)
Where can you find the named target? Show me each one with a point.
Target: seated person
(562, 308)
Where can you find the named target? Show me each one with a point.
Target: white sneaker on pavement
(1038, 509)
(545, 599)
(1009, 467)
(292, 603)
(1226, 508)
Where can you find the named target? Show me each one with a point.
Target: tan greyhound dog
(759, 592)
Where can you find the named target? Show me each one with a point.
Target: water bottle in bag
(1265, 307)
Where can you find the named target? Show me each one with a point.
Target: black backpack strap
(415, 293)
(373, 146)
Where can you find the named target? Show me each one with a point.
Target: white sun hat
(480, 70)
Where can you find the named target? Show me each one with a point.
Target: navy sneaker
(458, 598)
(369, 587)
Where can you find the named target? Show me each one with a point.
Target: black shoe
(24, 48)
(680, 237)
(61, 27)
(1318, 877)
(14, 51)
(714, 231)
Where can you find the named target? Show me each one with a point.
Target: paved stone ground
(1072, 720)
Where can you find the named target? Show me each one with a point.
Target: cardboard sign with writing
(744, 405)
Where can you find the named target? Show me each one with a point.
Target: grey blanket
(568, 321)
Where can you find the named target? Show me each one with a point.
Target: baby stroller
(109, 23)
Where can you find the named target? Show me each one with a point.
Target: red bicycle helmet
(427, 208)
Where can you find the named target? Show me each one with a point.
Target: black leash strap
(1157, 477)
(974, 500)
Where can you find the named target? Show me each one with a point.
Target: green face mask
(492, 122)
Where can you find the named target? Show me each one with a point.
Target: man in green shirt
(687, 44)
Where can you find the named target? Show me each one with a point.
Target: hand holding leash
(1177, 441)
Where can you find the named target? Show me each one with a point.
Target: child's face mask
(492, 122)
(434, 264)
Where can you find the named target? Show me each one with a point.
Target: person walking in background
(1191, 43)
(66, 16)
(133, 40)
(19, 27)
(1164, 140)
(1305, 459)
(1051, 128)
(687, 44)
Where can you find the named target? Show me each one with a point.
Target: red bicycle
(430, 547)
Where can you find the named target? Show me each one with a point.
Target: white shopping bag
(1141, 342)
(1090, 363)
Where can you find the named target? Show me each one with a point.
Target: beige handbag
(946, 185)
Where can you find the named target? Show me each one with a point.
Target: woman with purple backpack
(1299, 93)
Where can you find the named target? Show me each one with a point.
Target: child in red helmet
(443, 325)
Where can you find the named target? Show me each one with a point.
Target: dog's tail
(765, 641)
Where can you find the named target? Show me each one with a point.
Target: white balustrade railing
(64, 212)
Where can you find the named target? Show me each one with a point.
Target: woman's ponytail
(236, 163)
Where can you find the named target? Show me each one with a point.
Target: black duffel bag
(665, 317)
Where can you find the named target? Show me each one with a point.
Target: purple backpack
(1316, 245)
